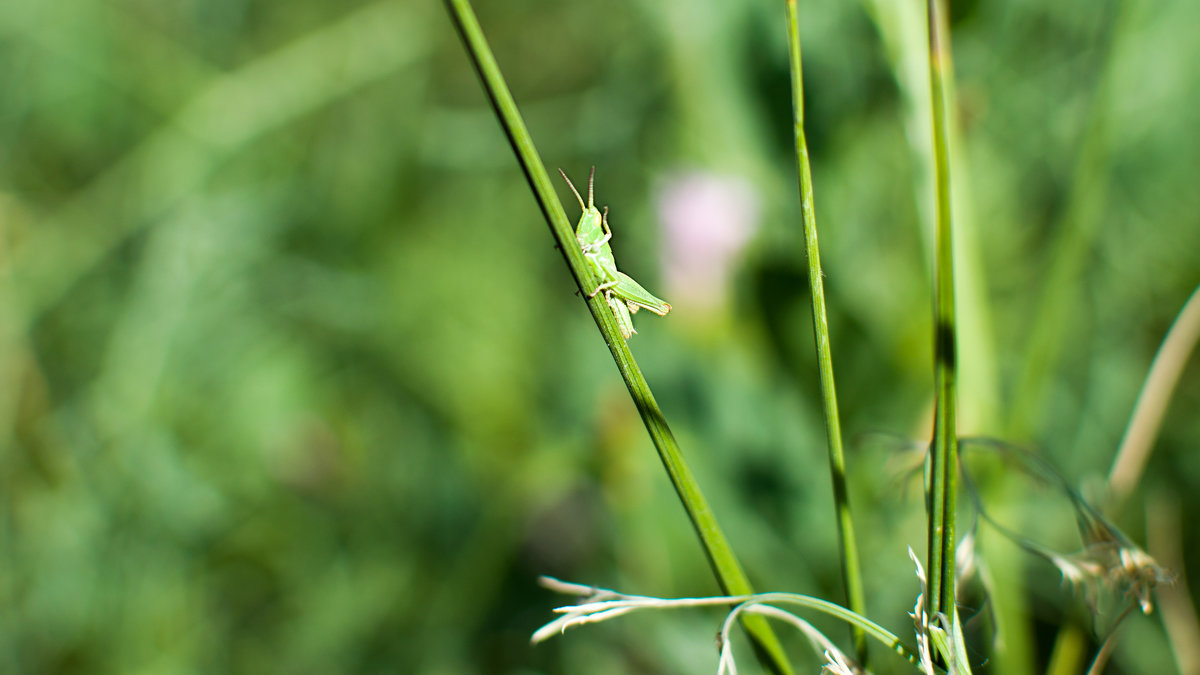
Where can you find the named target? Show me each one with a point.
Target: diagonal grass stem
(720, 555)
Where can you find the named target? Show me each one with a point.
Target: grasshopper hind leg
(621, 311)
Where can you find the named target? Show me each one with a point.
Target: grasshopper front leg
(596, 246)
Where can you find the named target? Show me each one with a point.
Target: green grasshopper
(624, 295)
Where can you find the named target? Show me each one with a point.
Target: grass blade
(729, 573)
(851, 570)
(942, 492)
(1152, 402)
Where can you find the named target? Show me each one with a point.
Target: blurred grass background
(294, 381)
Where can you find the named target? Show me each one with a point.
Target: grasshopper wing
(638, 297)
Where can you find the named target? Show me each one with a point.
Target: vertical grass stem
(942, 490)
(851, 571)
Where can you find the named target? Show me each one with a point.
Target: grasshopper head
(590, 230)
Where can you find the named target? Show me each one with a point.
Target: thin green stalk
(728, 571)
(942, 493)
(851, 571)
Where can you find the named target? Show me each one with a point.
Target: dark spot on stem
(945, 345)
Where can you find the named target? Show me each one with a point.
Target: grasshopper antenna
(574, 191)
(591, 181)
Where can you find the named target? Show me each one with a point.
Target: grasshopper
(624, 295)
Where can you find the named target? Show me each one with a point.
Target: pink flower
(707, 219)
